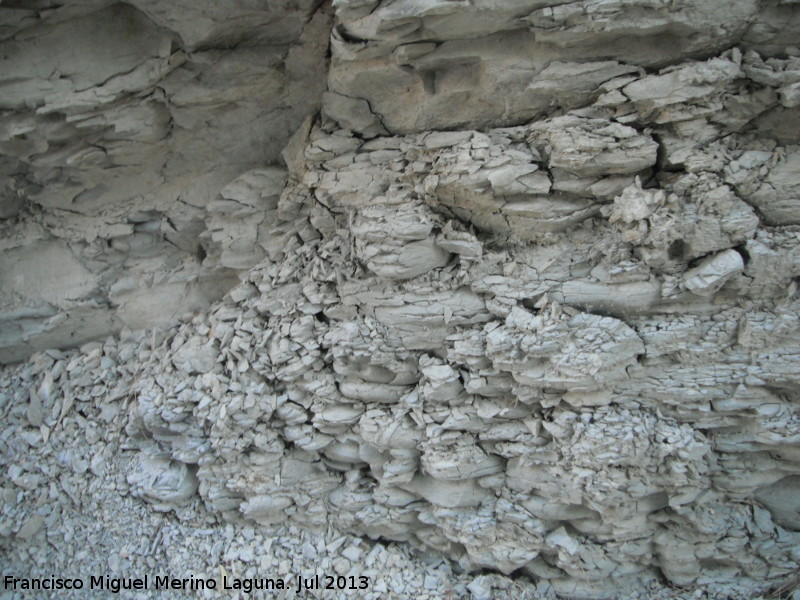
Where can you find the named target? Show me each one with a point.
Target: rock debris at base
(69, 506)
(522, 296)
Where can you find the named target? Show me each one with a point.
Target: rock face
(525, 292)
(442, 64)
(121, 125)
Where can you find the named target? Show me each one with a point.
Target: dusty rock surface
(121, 126)
(523, 294)
(72, 506)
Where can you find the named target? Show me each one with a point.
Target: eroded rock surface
(121, 125)
(538, 317)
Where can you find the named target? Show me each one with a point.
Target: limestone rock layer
(122, 125)
(525, 291)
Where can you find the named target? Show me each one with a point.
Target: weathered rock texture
(121, 124)
(528, 297)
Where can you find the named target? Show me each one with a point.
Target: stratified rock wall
(443, 64)
(121, 124)
(528, 297)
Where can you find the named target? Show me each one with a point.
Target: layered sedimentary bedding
(523, 292)
(121, 125)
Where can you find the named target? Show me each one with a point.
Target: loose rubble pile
(560, 343)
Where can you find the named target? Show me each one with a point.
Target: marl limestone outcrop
(527, 296)
(124, 129)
